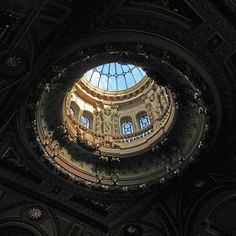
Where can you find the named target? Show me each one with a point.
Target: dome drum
(109, 139)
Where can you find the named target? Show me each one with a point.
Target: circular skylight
(114, 76)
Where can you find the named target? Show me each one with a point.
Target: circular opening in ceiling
(130, 119)
(122, 139)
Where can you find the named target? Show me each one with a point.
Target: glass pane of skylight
(103, 82)
(99, 68)
(125, 68)
(112, 69)
(121, 83)
(130, 80)
(142, 71)
(131, 66)
(88, 75)
(112, 86)
(137, 75)
(95, 79)
(106, 69)
(119, 69)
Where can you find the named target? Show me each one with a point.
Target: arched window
(72, 111)
(144, 122)
(85, 121)
(127, 127)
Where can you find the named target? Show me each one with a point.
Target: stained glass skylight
(115, 76)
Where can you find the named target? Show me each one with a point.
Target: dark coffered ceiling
(40, 40)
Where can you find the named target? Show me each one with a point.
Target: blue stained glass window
(127, 127)
(115, 76)
(85, 121)
(144, 122)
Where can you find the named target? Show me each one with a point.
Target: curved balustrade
(118, 138)
(133, 136)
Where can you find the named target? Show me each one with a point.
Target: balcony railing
(133, 136)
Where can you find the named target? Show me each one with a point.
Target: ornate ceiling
(187, 46)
